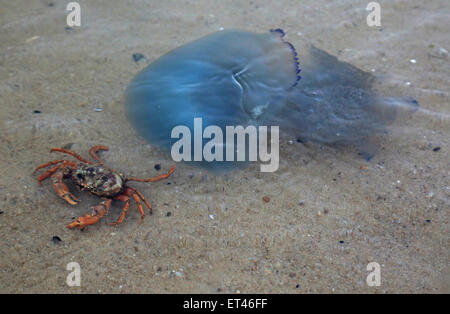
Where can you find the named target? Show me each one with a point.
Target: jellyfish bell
(240, 78)
(229, 78)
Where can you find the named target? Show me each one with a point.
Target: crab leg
(47, 174)
(53, 162)
(93, 152)
(50, 172)
(124, 198)
(139, 205)
(160, 177)
(98, 212)
(71, 153)
(142, 198)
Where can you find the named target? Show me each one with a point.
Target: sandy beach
(328, 211)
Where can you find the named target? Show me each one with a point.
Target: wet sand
(330, 212)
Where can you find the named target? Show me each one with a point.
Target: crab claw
(83, 221)
(63, 191)
(89, 219)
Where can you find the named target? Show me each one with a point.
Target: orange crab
(97, 179)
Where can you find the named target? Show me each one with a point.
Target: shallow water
(330, 211)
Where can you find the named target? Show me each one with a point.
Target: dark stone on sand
(137, 57)
(56, 239)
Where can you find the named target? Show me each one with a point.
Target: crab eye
(80, 176)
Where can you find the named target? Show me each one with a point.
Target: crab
(99, 180)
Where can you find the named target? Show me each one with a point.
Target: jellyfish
(241, 78)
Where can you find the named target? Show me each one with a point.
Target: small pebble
(299, 140)
(1, 212)
(266, 199)
(98, 109)
(169, 214)
(301, 203)
(408, 83)
(436, 149)
(158, 167)
(32, 38)
(36, 111)
(443, 52)
(413, 61)
(341, 242)
(138, 56)
(179, 274)
(56, 239)
(68, 146)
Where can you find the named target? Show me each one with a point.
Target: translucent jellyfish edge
(281, 33)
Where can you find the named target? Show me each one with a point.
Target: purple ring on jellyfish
(294, 53)
(240, 78)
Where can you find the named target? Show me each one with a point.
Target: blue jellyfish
(235, 77)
